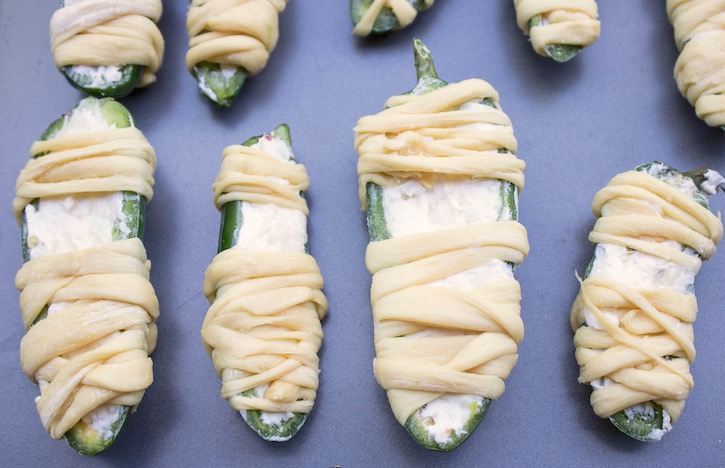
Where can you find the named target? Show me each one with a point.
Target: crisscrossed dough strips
(233, 32)
(641, 212)
(111, 311)
(700, 69)
(263, 326)
(425, 137)
(113, 160)
(109, 32)
(247, 175)
(402, 9)
(569, 22)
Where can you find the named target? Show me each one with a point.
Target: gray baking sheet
(578, 124)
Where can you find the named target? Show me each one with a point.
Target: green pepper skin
(559, 52)
(428, 81)
(89, 442)
(231, 223)
(218, 86)
(386, 21)
(82, 437)
(640, 425)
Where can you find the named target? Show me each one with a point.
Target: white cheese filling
(102, 418)
(270, 228)
(101, 76)
(64, 224)
(73, 223)
(412, 208)
(448, 413)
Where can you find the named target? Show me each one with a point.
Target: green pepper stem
(423, 61)
(701, 175)
(427, 76)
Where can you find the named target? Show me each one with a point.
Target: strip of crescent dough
(95, 350)
(109, 32)
(568, 22)
(402, 9)
(233, 32)
(643, 213)
(425, 137)
(700, 69)
(263, 326)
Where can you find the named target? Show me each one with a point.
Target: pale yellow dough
(568, 22)
(233, 32)
(700, 69)
(94, 351)
(263, 326)
(427, 137)
(641, 212)
(402, 9)
(109, 32)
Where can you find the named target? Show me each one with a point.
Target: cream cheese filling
(448, 413)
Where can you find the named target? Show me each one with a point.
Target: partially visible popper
(230, 41)
(383, 16)
(107, 47)
(633, 317)
(559, 29)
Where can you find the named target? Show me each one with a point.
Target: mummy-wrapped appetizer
(384, 16)
(700, 69)
(263, 328)
(440, 182)
(230, 40)
(86, 300)
(559, 29)
(107, 47)
(634, 312)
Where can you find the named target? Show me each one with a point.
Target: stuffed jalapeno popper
(440, 182)
(263, 329)
(107, 47)
(700, 68)
(634, 313)
(384, 16)
(230, 40)
(86, 300)
(559, 29)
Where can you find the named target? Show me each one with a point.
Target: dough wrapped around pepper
(87, 303)
(440, 182)
(107, 47)
(230, 40)
(384, 16)
(634, 313)
(559, 29)
(263, 329)
(700, 68)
